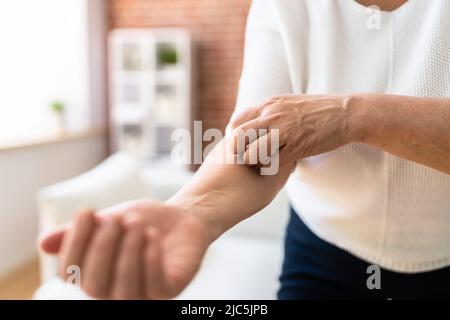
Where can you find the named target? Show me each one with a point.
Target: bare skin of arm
(224, 195)
(150, 250)
(417, 129)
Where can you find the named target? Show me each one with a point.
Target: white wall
(44, 57)
(22, 172)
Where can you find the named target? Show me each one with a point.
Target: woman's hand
(308, 125)
(150, 250)
(138, 250)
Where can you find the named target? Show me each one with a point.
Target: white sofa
(242, 264)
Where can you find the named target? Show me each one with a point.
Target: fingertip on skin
(238, 143)
(245, 116)
(251, 157)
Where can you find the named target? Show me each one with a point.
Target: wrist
(358, 117)
(203, 211)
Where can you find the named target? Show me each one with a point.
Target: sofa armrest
(116, 179)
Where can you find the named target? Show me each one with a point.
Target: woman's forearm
(224, 194)
(417, 129)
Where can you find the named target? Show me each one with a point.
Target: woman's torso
(380, 207)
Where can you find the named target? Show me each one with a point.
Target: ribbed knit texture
(382, 208)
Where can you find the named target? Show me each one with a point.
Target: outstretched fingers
(75, 241)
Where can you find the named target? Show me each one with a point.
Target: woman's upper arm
(265, 70)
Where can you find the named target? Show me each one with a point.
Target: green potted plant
(58, 108)
(167, 56)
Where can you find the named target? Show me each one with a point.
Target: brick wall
(218, 26)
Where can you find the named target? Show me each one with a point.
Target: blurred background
(87, 80)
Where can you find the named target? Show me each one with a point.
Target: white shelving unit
(152, 88)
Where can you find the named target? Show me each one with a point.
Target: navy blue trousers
(316, 269)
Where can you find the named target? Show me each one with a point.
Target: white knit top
(382, 208)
